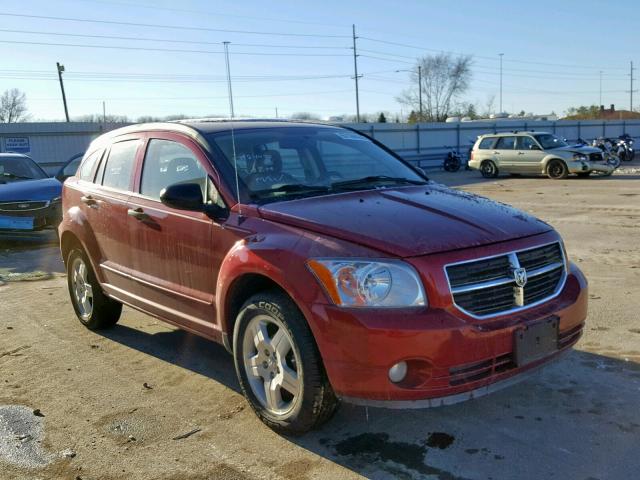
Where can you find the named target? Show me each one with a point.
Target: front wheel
(93, 308)
(279, 366)
(557, 170)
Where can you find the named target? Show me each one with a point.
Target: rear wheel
(488, 169)
(279, 367)
(93, 308)
(557, 170)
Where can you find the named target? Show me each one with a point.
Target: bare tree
(489, 106)
(444, 78)
(304, 116)
(13, 106)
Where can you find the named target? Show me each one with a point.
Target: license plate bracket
(536, 341)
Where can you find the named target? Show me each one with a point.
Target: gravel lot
(113, 405)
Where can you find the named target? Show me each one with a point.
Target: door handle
(89, 200)
(520, 153)
(138, 214)
(496, 153)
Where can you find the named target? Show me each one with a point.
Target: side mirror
(183, 196)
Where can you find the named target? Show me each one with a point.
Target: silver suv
(535, 153)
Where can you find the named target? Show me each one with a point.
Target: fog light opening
(398, 372)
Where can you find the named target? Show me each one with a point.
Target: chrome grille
(22, 206)
(487, 287)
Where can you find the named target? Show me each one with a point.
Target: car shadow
(577, 418)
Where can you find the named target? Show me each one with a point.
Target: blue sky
(553, 52)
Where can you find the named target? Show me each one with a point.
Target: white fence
(426, 144)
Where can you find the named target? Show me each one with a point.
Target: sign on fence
(17, 145)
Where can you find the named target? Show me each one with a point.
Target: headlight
(579, 157)
(364, 283)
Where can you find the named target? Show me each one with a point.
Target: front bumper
(451, 357)
(34, 220)
(600, 167)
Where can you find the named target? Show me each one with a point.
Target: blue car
(29, 198)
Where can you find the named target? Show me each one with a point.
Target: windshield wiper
(288, 189)
(13, 175)
(376, 179)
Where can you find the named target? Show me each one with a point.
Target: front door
(174, 251)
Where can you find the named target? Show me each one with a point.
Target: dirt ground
(113, 405)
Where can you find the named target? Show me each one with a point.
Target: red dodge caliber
(329, 267)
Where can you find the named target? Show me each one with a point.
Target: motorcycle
(625, 142)
(610, 151)
(452, 162)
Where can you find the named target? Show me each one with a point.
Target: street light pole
(64, 97)
(501, 55)
(600, 103)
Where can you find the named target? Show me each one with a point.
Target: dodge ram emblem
(520, 276)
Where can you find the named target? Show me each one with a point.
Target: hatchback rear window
(486, 143)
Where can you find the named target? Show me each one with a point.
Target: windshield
(14, 169)
(283, 162)
(549, 141)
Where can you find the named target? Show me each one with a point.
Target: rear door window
(486, 143)
(506, 143)
(120, 164)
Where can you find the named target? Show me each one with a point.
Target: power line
(175, 50)
(486, 57)
(164, 40)
(171, 27)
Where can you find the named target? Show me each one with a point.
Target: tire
(488, 169)
(583, 174)
(93, 308)
(557, 170)
(274, 347)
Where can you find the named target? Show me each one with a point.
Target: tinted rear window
(486, 143)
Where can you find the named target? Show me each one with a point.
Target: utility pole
(64, 97)
(226, 56)
(420, 91)
(104, 112)
(501, 55)
(631, 89)
(600, 103)
(355, 71)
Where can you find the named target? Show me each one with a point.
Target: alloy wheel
(82, 289)
(271, 363)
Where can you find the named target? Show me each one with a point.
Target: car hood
(586, 150)
(23, 190)
(408, 221)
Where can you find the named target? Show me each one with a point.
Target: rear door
(176, 253)
(105, 205)
(529, 155)
(505, 153)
